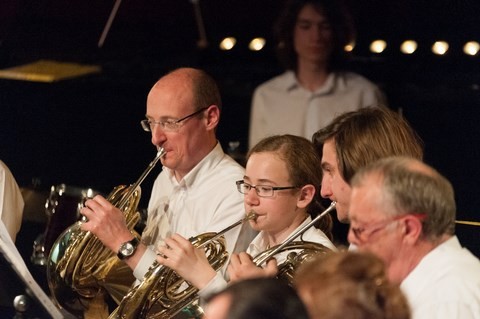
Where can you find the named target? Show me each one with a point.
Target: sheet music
(11, 254)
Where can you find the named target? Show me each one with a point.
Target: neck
(311, 76)
(200, 154)
(274, 238)
(408, 259)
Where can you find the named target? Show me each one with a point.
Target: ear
(307, 193)
(213, 117)
(412, 229)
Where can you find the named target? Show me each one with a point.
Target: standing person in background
(404, 211)
(311, 36)
(11, 202)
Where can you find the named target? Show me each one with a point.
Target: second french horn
(162, 293)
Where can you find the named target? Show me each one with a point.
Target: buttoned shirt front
(282, 106)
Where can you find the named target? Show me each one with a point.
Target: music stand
(33, 302)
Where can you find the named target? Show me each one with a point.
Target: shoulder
(353, 79)
(448, 267)
(279, 82)
(219, 168)
(314, 234)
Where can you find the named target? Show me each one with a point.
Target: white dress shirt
(445, 284)
(11, 202)
(205, 200)
(282, 106)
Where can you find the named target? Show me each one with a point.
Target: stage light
(471, 48)
(227, 43)
(408, 46)
(256, 44)
(440, 47)
(378, 46)
(349, 47)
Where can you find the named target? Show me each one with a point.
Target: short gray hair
(411, 186)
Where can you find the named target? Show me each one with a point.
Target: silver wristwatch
(127, 248)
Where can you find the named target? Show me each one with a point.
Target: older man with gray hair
(404, 211)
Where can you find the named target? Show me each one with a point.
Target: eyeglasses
(364, 233)
(168, 125)
(261, 190)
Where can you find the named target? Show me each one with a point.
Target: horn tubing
(161, 152)
(133, 305)
(250, 216)
(297, 233)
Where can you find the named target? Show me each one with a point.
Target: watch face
(127, 249)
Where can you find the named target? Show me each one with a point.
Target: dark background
(85, 131)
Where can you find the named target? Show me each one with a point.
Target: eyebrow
(260, 181)
(161, 118)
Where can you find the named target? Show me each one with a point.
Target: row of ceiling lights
(377, 46)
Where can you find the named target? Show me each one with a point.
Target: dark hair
(335, 11)
(263, 298)
(366, 135)
(303, 165)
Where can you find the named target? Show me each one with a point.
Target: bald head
(203, 87)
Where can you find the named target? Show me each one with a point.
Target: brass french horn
(159, 295)
(80, 268)
(162, 293)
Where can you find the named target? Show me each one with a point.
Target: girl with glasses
(281, 187)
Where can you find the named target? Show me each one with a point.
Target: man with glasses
(404, 211)
(195, 192)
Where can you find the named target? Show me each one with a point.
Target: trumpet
(80, 268)
(162, 293)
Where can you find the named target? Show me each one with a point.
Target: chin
(343, 217)
(256, 226)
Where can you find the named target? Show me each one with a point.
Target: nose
(251, 198)
(326, 187)
(158, 135)
(316, 33)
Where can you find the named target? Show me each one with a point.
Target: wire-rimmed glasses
(170, 124)
(261, 190)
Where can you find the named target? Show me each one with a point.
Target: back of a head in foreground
(258, 298)
(349, 285)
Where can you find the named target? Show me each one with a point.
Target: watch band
(128, 248)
